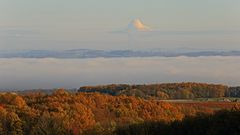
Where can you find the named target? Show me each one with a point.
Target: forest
(62, 112)
(187, 90)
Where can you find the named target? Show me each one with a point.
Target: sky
(61, 24)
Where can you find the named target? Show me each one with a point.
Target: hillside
(89, 113)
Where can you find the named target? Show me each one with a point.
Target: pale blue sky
(64, 24)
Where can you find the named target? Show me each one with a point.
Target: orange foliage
(76, 113)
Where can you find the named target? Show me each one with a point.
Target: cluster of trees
(163, 91)
(219, 123)
(234, 92)
(84, 113)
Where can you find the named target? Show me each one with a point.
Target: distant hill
(161, 91)
(167, 90)
(88, 53)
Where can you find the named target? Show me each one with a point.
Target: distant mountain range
(90, 53)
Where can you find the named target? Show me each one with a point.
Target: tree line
(189, 90)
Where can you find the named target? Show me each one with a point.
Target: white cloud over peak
(137, 25)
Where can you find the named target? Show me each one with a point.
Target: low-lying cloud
(18, 73)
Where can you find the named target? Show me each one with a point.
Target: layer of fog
(20, 73)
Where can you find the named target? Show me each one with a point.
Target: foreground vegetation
(90, 113)
(219, 123)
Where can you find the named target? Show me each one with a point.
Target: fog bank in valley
(19, 73)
